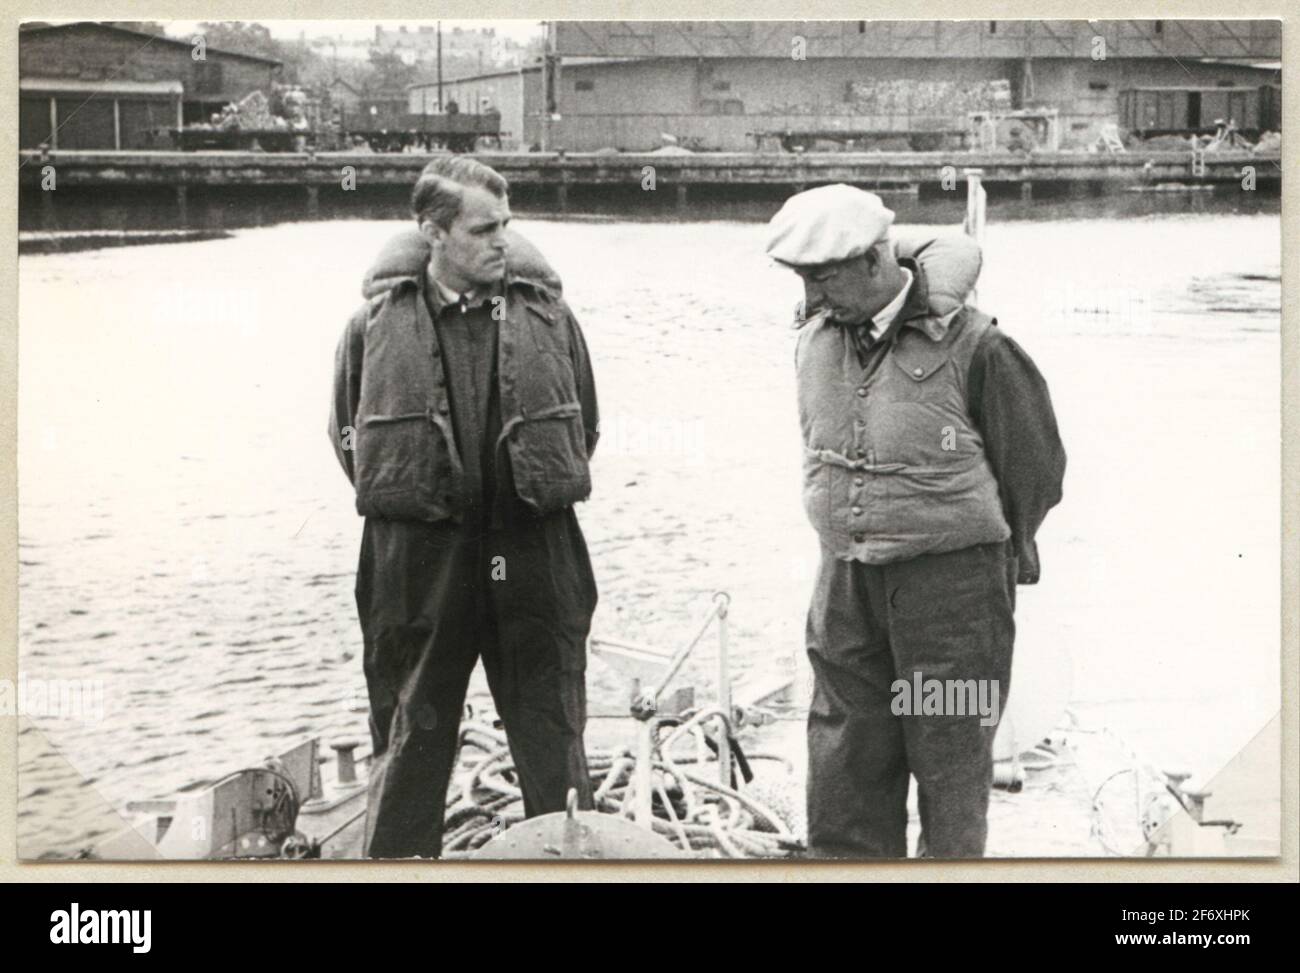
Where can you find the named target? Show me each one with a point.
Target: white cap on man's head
(826, 224)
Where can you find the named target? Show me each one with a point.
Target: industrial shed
(87, 85)
(719, 85)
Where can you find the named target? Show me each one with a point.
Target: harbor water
(188, 541)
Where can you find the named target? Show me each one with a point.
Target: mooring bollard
(347, 765)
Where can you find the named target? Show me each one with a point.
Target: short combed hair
(437, 193)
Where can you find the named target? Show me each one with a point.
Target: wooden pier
(335, 173)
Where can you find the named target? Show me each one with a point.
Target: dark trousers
(433, 599)
(945, 617)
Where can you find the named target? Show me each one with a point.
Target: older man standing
(931, 459)
(465, 414)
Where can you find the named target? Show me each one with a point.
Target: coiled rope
(700, 814)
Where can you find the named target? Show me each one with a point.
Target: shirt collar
(885, 316)
(916, 309)
(914, 312)
(442, 296)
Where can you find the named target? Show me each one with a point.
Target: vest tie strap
(563, 410)
(832, 458)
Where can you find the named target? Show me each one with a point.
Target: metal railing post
(643, 775)
(724, 691)
(976, 207)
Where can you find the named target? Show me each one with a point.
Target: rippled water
(187, 538)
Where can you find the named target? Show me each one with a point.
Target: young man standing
(465, 416)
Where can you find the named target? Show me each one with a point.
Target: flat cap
(826, 224)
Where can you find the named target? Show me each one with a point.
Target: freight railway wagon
(201, 139)
(397, 131)
(918, 114)
(382, 133)
(1196, 110)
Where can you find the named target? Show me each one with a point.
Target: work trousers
(432, 600)
(945, 617)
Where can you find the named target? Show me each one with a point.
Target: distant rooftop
(32, 28)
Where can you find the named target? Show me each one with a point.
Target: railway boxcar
(1191, 110)
(1270, 107)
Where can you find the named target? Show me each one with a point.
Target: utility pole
(548, 84)
(440, 67)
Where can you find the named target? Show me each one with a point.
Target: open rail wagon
(241, 139)
(925, 114)
(397, 131)
(925, 135)
(382, 133)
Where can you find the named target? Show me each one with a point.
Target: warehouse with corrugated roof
(742, 86)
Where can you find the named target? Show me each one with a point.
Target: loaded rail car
(382, 133)
(242, 140)
(1188, 110)
(941, 135)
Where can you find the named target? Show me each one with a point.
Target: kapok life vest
(893, 464)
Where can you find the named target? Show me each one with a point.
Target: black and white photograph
(697, 440)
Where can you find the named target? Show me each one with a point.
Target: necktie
(860, 335)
